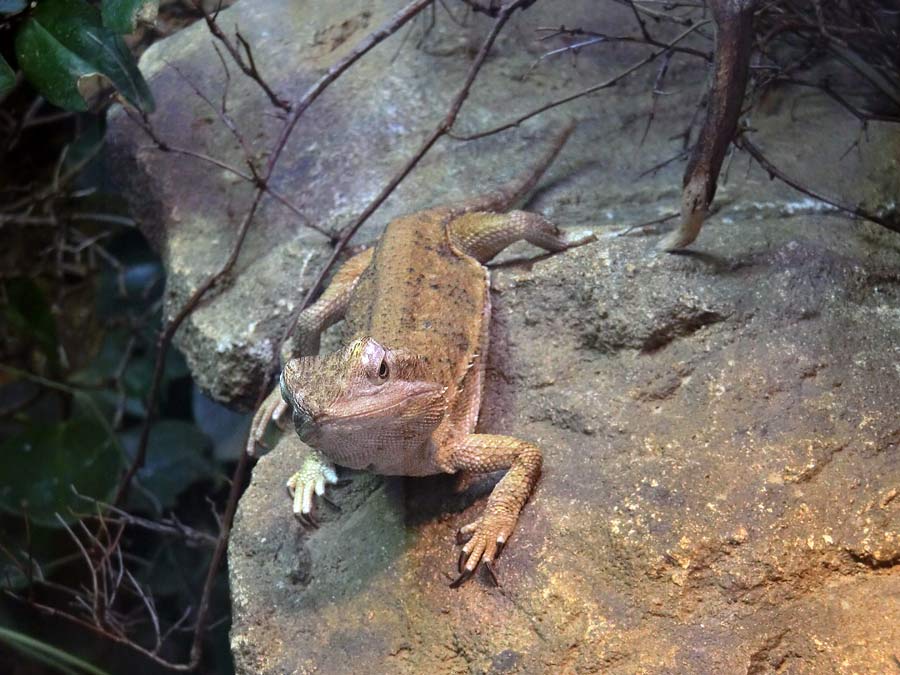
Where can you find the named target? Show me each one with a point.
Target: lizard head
(362, 392)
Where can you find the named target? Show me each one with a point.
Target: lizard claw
(307, 520)
(580, 238)
(484, 539)
(462, 578)
(466, 574)
(489, 566)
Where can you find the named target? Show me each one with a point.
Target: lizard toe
(272, 408)
(465, 533)
(305, 485)
(484, 540)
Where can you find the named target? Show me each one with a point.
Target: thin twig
(745, 144)
(169, 527)
(224, 118)
(163, 146)
(639, 226)
(584, 92)
(604, 37)
(106, 634)
(249, 69)
(95, 611)
(373, 39)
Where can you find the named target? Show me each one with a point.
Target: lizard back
(421, 294)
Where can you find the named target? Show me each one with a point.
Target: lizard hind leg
(485, 537)
(483, 235)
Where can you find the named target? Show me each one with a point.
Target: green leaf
(41, 465)
(12, 6)
(176, 459)
(65, 51)
(7, 77)
(174, 567)
(123, 16)
(27, 312)
(47, 653)
(86, 146)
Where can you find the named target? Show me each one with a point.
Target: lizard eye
(383, 369)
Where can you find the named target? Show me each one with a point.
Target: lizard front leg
(483, 453)
(315, 473)
(327, 310)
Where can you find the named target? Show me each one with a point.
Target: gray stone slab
(720, 491)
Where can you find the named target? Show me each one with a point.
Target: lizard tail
(506, 196)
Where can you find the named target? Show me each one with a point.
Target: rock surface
(720, 490)
(722, 479)
(370, 122)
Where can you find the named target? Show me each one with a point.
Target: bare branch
(745, 144)
(249, 66)
(611, 82)
(734, 42)
(95, 610)
(386, 30)
(259, 182)
(224, 118)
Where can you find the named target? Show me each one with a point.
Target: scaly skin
(402, 397)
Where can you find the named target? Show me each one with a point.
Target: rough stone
(721, 489)
(369, 123)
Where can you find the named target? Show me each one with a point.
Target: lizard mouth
(381, 404)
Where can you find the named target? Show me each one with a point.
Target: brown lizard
(402, 397)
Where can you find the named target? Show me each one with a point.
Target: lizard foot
(484, 540)
(311, 479)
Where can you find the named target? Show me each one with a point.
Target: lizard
(402, 396)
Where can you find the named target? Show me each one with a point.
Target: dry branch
(248, 65)
(731, 67)
(606, 84)
(745, 144)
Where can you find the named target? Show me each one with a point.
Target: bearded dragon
(402, 396)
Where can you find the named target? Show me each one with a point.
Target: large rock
(369, 123)
(720, 490)
(720, 430)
